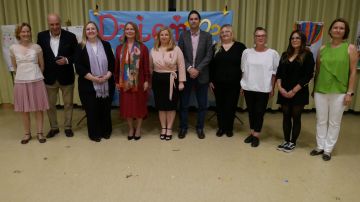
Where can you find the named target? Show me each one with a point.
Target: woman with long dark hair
(293, 75)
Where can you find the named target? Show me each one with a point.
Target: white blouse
(27, 67)
(258, 69)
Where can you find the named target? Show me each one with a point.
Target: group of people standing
(174, 71)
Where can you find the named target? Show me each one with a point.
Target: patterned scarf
(129, 67)
(99, 67)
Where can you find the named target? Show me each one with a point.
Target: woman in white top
(29, 89)
(259, 65)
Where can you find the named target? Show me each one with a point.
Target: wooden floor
(187, 170)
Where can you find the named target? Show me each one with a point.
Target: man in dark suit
(196, 47)
(58, 47)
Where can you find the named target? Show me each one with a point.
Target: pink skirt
(30, 97)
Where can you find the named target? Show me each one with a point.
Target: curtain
(277, 16)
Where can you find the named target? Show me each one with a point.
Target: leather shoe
(220, 132)
(182, 133)
(69, 133)
(95, 139)
(200, 133)
(249, 139)
(316, 152)
(326, 156)
(255, 141)
(52, 133)
(229, 134)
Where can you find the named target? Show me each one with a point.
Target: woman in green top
(334, 86)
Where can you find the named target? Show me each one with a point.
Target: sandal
(168, 137)
(41, 138)
(163, 135)
(26, 140)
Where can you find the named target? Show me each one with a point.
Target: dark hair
(260, 29)
(347, 28)
(19, 28)
(194, 12)
(291, 50)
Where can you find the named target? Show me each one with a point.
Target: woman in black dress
(294, 73)
(225, 75)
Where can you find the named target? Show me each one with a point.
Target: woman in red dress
(132, 77)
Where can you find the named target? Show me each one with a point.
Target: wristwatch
(350, 93)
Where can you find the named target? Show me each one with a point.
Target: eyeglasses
(260, 36)
(295, 38)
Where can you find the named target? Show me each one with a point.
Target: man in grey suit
(196, 47)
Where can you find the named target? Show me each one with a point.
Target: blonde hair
(219, 43)
(84, 38)
(171, 44)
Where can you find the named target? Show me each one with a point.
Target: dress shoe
(182, 133)
(130, 137)
(220, 132)
(316, 152)
(95, 139)
(69, 133)
(326, 156)
(137, 134)
(229, 134)
(255, 141)
(249, 139)
(52, 133)
(106, 137)
(26, 139)
(200, 133)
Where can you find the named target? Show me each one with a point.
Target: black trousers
(226, 97)
(98, 114)
(256, 103)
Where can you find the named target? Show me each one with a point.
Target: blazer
(64, 74)
(203, 53)
(82, 66)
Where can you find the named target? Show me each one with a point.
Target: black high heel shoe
(168, 137)
(136, 137)
(26, 140)
(132, 136)
(163, 135)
